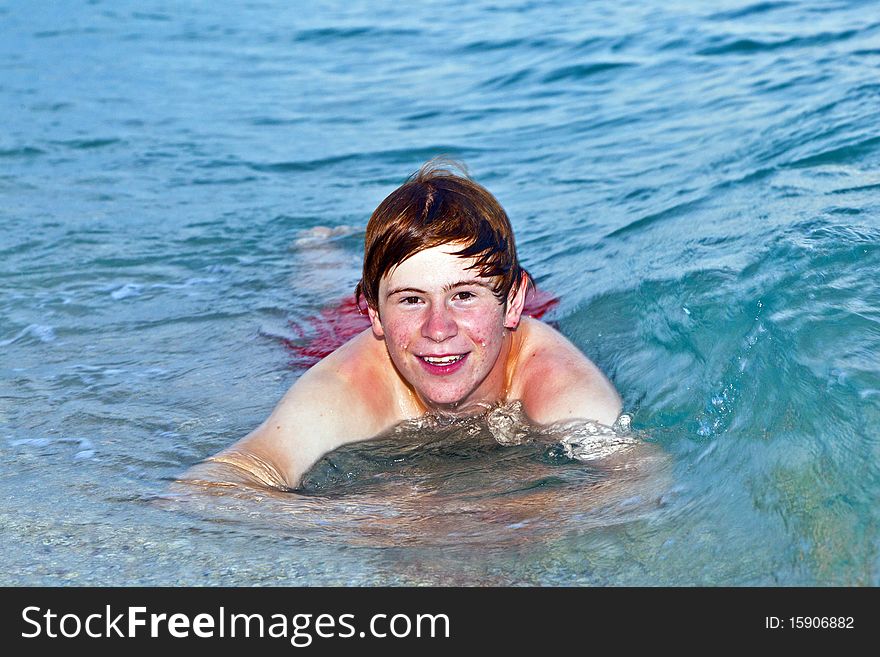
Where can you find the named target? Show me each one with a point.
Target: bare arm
(319, 413)
(579, 392)
(561, 384)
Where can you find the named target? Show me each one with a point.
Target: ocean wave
(750, 10)
(583, 71)
(741, 46)
(88, 144)
(855, 151)
(329, 34)
(39, 332)
(412, 157)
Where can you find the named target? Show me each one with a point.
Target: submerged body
(440, 343)
(445, 296)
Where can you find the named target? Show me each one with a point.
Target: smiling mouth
(442, 365)
(441, 361)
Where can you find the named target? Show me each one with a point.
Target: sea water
(182, 184)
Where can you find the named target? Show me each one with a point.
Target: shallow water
(698, 185)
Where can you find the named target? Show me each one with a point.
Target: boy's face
(444, 328)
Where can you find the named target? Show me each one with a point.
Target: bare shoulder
(557, 382)
(328, 406)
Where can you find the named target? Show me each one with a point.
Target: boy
(444, 292)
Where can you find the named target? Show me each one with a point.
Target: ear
(375, 322)
(515, 302)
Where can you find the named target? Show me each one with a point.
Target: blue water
(697, 181)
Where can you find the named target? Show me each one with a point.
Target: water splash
(580, 440)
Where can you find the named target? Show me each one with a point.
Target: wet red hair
(437, 206)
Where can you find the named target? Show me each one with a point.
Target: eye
(409, 301)
(465, 295)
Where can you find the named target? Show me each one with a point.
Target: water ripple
(750, 10)
(751, 46)
(583, 71)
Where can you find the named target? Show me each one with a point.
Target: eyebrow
(446, 288)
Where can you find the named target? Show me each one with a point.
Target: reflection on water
(492, 480)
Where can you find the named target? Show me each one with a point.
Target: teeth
(445, 360)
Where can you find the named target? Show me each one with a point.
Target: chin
(452, 403)
(441, 399)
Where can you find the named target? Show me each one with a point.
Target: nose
(439, 325)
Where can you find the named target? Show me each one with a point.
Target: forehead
(433, 267)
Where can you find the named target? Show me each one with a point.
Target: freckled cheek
(401, 341)
(399, 335)
(484, 334)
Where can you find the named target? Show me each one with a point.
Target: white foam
(190, 282)
(321, 234)
(127, 290)
(83, 446)
(581, 440)
(277, 333)
(588, 441)
(41, 332)
(82, 443)
(34, 442)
